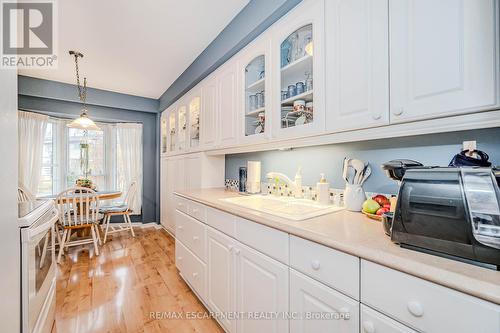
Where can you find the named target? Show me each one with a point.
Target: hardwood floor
(118, 290)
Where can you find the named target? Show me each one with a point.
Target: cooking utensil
(345, 169)
(366, 174)
(358, 166)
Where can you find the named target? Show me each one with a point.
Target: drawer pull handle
(368, 327)
(415, 309)
(315, 265)
(195, 275)
(195, 238)
(398, 111)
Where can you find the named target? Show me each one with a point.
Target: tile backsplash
(431, 149)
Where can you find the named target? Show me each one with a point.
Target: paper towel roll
(253, 176)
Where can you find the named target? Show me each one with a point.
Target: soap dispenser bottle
(323, 191)
(298, 183)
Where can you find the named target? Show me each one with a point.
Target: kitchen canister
(354, 196)
(299, 87)
(260, 100)
(284, 94)
(253, 177)
(292, 90)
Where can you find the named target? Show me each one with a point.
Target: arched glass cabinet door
(296, 78)
(194, 122)
(182, 127)
(255, 96)
(164, 133)
(172, 131)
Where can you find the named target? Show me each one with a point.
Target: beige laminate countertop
(360, 236)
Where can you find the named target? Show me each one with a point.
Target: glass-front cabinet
(194, 121)
(254, 75)
(171, 123)
(182, 127)
(299, 44)
(164, 131)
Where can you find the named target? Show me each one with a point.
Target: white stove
(38, 275)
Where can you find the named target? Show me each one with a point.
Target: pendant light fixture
(83, 122)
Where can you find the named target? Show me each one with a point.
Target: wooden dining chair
(23, 194)
(120, 209)
(78, 209)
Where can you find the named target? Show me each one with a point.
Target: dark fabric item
(462, 160)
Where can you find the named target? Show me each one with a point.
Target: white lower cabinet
(320, 290)
(220, 260)
(374, 322)
(261, 291)
(319, 308)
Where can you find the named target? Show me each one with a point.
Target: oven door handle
(40, 229)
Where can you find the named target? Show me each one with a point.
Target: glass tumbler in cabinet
(182, 128)
(194, 121)
(296, 78)
(255, 90)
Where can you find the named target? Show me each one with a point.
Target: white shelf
(257, 85)
(301, 65)
(255, 113)
(307, 96)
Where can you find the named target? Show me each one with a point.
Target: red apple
(381, 199)
(388, 206)
(382, 210)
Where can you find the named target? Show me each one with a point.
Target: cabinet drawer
(335, 312)
(423, 305)
(221, 221)
(267, 240)
(192, 269)
(373, 321)
(334, 268)
(196, 210)
(191, 232)
(181, 204)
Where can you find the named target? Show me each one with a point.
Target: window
(96, 157)
(47, 181)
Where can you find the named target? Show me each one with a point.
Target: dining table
(103, 195)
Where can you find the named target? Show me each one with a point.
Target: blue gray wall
(256, 17)
(58, 100)
(432, 149)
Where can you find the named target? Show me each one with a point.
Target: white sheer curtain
(31, 133)
(129, 160)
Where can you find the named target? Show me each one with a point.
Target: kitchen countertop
(360, 236)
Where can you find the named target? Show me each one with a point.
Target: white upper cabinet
(194, 109)
(182, 125)
(163, 131)
(298, 57)
(208, 115)
(253, 72)
(227, 97)
(443, 57)
(171, 118)
(357, 63)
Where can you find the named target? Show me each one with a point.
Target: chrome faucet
(295, 185)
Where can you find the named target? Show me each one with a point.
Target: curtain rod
(55, 115)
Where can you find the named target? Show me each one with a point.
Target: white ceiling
(136, 47)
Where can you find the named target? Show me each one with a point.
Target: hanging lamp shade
(84, 123)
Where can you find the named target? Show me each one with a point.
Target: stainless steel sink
(286, 207)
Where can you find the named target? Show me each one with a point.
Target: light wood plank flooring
(117, 291)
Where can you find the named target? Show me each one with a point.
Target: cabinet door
(227, 115)
(309, 297)
(163, 132)
(262, 288)
(182, 126)
(373, 321)
(298, 55)
(163, 193)
(193, 171)
(220, 263)
(357, 41)
(443, 58)
(208, 115)
(168, 203)
(194, 107)
(254, 74)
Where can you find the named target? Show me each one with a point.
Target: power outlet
(469, 145)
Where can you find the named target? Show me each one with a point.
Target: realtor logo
(28, 34)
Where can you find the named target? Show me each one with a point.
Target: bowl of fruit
(376, 206)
